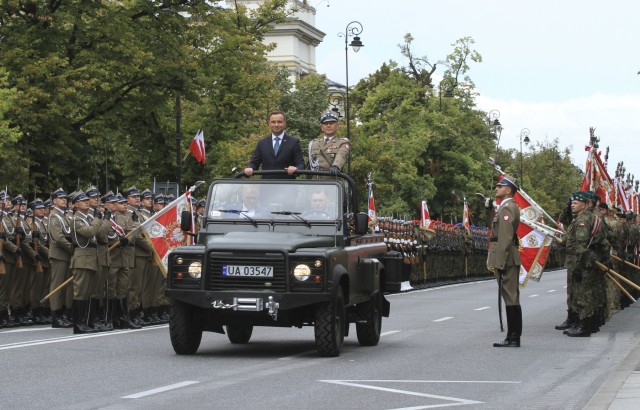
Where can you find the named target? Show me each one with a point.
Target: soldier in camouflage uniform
(586, 242)
(328, 153)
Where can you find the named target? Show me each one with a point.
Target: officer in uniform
(9, 254)
(586, 242)
(60, 250)
(122, 262)
(504, 257)
(160, 300)
(42, 283)
(328, 153)
(147, 315)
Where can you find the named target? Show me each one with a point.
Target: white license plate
(245, 270)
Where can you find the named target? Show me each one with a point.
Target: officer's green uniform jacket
(503, 250)
(84, 231)
(323, 155)
(60, 247)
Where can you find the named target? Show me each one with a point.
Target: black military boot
(57, 320)
(153, 316)
(145, 317)
(22, 318)
(4, 317)
(67, 316)
(569, 322)
(135, 316)
(514, 328)
(582, 330)
(125, 320)
(95, 319)
(81, 315)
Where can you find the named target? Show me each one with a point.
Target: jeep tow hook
(273, 308)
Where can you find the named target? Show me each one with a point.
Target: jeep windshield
(288, 201)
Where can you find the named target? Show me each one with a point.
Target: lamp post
(178, 140)
(524, 136)
(336, 99)
(496, 127)
(448, 93)
(353, 29)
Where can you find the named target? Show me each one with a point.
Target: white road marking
(442, 319)
(483, 308)
(439, 288)
(533, 296)
(551, 290)
(390, 332)
(73, 338)
(159, 390)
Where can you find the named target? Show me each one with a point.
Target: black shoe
(582, 330)
(567, 324)
(510, 341)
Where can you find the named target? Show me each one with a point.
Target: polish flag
(197, 148)
(425, 218)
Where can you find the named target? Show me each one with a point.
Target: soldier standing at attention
(586, 242)
(60, 250)
(328, 153)
(504, 258)
(84, 262)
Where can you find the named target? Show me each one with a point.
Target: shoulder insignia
(506, 217)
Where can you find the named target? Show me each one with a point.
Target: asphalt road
(436, 351)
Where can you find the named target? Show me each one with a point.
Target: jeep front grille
(278, 283)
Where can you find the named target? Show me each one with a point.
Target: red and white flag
(425, 218)
(164, 230)
(597, 179)
(535, 250)
(466, 221)
(373, 214)
(197, 148)
(117, 228)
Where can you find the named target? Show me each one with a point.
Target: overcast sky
(556, 67)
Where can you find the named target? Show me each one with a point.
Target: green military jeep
(275, 252)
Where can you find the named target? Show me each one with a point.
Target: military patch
(506, 217)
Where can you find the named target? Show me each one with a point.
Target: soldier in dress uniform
(586, 242)
(122, 262)
(8, 256)
(19, 292)
(146, 314)
(60, 250)
(142, 256)
(40, 235)
(84, 262)
(160, 300)
(328, 153)
(504, 257)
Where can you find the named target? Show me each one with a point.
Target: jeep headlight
(302, 272)
(195, 269)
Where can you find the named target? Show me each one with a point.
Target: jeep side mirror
(185, 221)
(362, 223)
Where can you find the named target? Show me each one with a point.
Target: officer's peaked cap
(329, 117)
(132, 191)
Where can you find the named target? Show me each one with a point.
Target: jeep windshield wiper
(238, 212)
(294, 214)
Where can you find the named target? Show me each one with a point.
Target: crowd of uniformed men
(91, 242)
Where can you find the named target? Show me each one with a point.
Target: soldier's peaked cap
(508, 180)
(19, 199)
(37, 204)
(329, 117)
(120, 199)
(132, 191)
(58, 193)
(3, 195)
(160, 199)
(146, 194)
(92, 191)
(80, 196)
(108, 197)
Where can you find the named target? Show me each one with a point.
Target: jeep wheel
(329, 326)
(184, 329)
(369, 332)
(239, 334)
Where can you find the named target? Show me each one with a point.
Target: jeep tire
(369, 332)
(239, 334)
(329, 326)
(185, 329)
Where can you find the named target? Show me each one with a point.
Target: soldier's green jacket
(324, 155)
(503, 250)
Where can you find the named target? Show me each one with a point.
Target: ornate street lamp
(337, 99)
(496, 127)
(353, 29)
(524, 136)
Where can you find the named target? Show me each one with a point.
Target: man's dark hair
(272, 113)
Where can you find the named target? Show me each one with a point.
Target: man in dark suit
(278, 151)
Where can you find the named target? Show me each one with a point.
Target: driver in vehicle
(319, 206)
(249, 206)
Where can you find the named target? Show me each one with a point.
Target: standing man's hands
(291, 170)
(248, 171)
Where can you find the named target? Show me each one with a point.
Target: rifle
(18, 239)
(3, 268)
(34, 228)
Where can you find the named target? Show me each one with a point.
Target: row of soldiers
(598, 242)
(90, 240)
